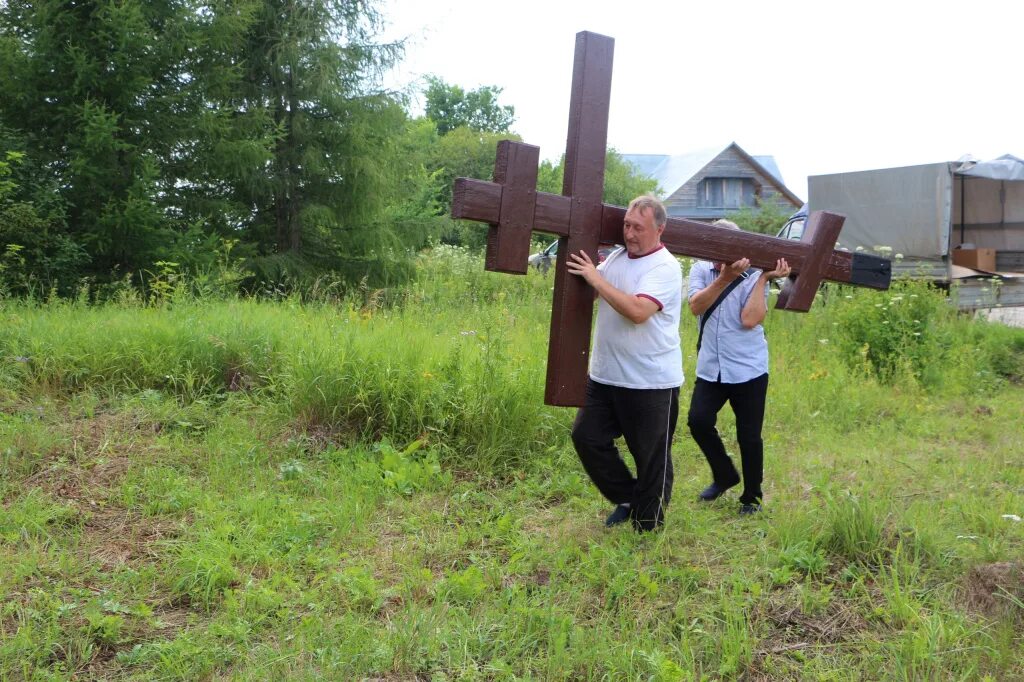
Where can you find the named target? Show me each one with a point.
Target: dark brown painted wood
(572, 310)
(512, 205)
(480, 200)
(821, 232)
(508, 240)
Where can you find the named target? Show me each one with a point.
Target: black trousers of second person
(747, 401)
(646, 419)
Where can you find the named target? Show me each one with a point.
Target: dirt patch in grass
(790, 634)
(837, 622)
(995, 590)
(115, 537)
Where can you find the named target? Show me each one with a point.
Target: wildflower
(898, 256)
(917, 333)
(883, 249)
(469, 332)
(823, 341)
(859, 248)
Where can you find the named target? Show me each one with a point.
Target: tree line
(141, 133)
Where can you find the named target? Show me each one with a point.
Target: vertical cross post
(573, 310)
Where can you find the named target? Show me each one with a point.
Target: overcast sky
(824, 86)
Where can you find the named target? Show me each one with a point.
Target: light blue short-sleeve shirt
(729, 352)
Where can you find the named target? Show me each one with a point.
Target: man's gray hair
(651, 202)
(722, 222)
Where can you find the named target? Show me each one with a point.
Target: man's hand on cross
(636, 309)
(580, 264)
(728, 273)
(781, 270)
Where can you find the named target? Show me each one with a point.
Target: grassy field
(371, 488)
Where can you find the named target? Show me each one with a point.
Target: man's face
(639, 232)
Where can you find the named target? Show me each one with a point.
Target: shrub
(906, 331)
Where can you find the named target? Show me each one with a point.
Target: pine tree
(306, 88)
(91, 89)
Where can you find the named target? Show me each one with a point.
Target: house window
(725, 193)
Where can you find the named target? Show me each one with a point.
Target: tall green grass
(458, 358)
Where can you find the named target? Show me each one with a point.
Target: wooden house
(713, 183)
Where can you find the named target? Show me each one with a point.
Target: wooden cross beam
(513, 207)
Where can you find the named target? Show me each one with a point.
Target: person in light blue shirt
(730, 301)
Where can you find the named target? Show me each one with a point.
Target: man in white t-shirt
(636, 368)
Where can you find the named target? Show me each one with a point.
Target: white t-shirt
(645, 355)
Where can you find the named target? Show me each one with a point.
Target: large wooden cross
(513, 207)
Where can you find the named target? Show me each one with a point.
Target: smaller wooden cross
(513, 207)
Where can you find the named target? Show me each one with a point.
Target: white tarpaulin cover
(1006, 167)
(918, 210)
(907, 209)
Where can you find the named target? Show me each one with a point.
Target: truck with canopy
(959, 223)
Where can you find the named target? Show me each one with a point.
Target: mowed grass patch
(249, 549)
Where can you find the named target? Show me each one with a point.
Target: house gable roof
(674, 171)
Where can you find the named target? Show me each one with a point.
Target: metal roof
(672, 171)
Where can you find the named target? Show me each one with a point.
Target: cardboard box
(978, 259)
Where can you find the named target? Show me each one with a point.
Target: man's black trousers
(747, 401)
(646, 419)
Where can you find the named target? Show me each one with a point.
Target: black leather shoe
(746, 509)
(713, 492)
(619, 515)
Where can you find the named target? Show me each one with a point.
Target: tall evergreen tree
(307, 84)
(90, 87)
(168, 123)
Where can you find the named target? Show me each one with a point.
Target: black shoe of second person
(713, 492)
(619, 515)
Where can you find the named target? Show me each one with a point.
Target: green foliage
(406, 471)
(906, 331)
(323, 140)
(36, 256)
(767, 217)
(164, 129)
(451, 107)
(463, 152)
(464, 587)
(806, 558)
(88, 90)
(36, 515)
(622, 181)
(856, 528)
(104, 629)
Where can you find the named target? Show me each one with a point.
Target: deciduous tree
(451, 107)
